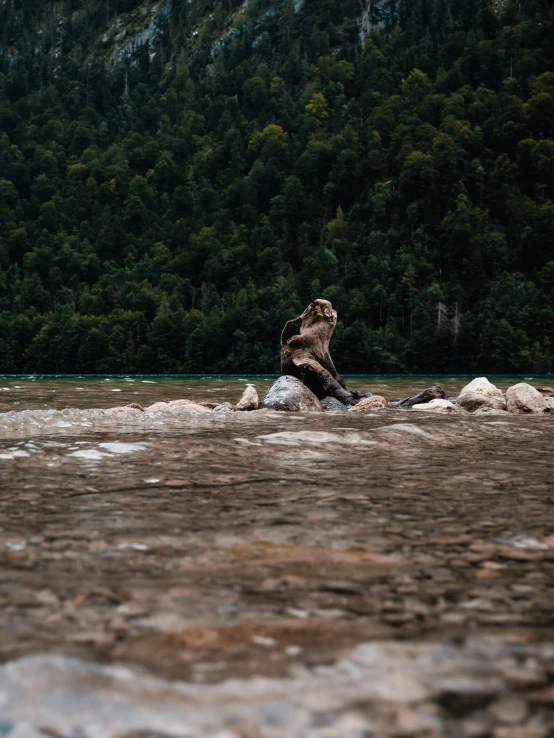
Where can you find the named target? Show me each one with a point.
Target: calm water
(199, 548)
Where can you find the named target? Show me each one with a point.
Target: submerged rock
(135, 407)
(289, 394)
(179, 405)
(370, 403)
(472, 401)
(438, 406)
(522, 398)
(490, 411)
(480, 393)
(331, 403)
(249, 399)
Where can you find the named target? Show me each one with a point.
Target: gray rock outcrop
(289, 394)
(523, 398)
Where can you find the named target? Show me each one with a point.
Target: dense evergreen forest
(178, 179)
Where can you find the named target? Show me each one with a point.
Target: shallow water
(203, 547)
(86, 391)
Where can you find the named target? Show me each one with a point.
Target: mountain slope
(177, 179)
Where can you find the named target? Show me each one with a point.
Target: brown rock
(546, 391)
(472, 401)
(435, 392)
(184, 405)
(509, 710)
(370, 403)
(249, 399)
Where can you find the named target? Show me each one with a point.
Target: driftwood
(305, 353)
(435, 392)
(546, 391)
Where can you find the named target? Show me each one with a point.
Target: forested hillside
(177, 179)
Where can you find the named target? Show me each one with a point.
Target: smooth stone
(438, 406)
(482, 386)
(181, 405)
(481, 393)
(473, 401)
(370, 403)
(290, 395)
(249, 399)
(523, 398)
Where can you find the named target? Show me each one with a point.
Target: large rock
(249, 399)
(472, 401)
(482, 386)
(289, 394)
(370, 403)
(438, 406)
(522, 398)
(480, 393)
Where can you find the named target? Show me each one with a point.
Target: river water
(241, 575)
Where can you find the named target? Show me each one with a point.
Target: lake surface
(387, 573)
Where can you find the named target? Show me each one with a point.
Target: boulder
(438, 406)
(289, 394)
(482, 386)
(331, 403)
(522, 398)
(249, 399)
(481, 393)
(472, 401)
(370, 403)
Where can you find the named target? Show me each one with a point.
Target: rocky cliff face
(376, 13)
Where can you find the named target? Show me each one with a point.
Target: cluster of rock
(478, 397)
(289, 394)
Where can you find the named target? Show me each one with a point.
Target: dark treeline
(169, 207)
